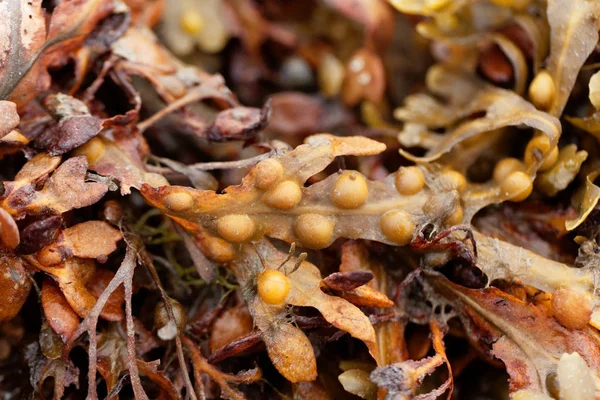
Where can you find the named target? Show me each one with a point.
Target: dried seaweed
(296, 241)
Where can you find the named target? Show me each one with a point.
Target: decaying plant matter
(326, 199)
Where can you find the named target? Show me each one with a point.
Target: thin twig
(278, 149)
(204, 91)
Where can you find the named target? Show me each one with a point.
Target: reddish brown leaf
(150, 369)
(40, 233)
(74, 125)
(64, 190)
(231, 325)
(236, 347)
(239, 123)
(61, 317)
(122, 159)
(67, 189)
(345, 281)
(297, 114)
(91, 239)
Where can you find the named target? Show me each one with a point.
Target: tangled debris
(175, 222)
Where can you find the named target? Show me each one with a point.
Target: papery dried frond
(574, 29)
(585, 200)
(271, 201)
(529, 342)
(466, 96)
(283, 340)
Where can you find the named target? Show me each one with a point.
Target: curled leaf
(502, 108)
(65, 190)
(306, 291)
(75, 125)
(122, 159)
(585, 200)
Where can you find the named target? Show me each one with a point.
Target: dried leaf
(65, 190)
(297, 114)
(222, 379)
(143, 56)
(61, 317)
(40, 233)
(233, 324)
(122, 159)
(366, 296)
(239, 123)
(343, 281)
(113, 309)
(306, 291)
(64, 373)
(74, 125)
(150, 369)
(91, 239)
